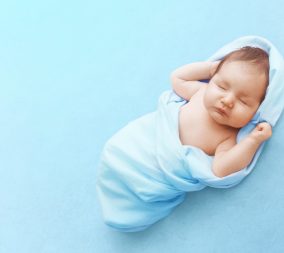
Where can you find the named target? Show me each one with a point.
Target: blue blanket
(144, 171)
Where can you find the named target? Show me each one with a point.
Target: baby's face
(234, 94)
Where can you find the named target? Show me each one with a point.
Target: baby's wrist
(213, 68)
(254, 140)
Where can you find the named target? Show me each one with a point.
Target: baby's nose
(228, 101)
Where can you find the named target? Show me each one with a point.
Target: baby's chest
(196, 130)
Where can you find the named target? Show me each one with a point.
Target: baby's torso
(196, 127)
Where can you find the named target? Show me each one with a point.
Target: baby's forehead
(243, 68)
(246, 67)
(241, 65)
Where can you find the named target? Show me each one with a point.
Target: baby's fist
(262, 132)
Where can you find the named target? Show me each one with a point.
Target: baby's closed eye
(221, 86)
(243, 101)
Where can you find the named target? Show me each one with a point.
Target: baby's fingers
(265, 128)
(214, 66)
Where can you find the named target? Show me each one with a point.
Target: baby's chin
(219, 118)
(223, 119)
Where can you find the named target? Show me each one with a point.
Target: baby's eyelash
(222, 87)
(244, 102)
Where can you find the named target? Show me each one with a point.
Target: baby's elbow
(175, 80)
(218, 171)
(222, 170)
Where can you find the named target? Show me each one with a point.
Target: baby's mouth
(221, 111)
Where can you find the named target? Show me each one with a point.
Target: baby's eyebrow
(247, 94)
(244, 94)
(248, 97)
(224, 81)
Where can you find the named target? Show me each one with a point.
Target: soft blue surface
(72, 74)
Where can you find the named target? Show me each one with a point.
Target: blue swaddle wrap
(144, 171)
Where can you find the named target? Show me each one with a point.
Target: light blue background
(74, 72)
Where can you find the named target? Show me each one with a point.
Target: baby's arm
(231, 157)
(185, 80)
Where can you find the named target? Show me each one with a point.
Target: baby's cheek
(247, 115)
(210, 93)
(206, 98)
(240, 114)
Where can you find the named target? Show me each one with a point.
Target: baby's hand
(262, 132)
(214, 66)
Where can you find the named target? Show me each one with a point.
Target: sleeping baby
(201, 134)
(216, 112)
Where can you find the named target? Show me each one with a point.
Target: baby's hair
(253, 55)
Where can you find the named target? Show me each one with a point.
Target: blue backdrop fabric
(75, 72)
